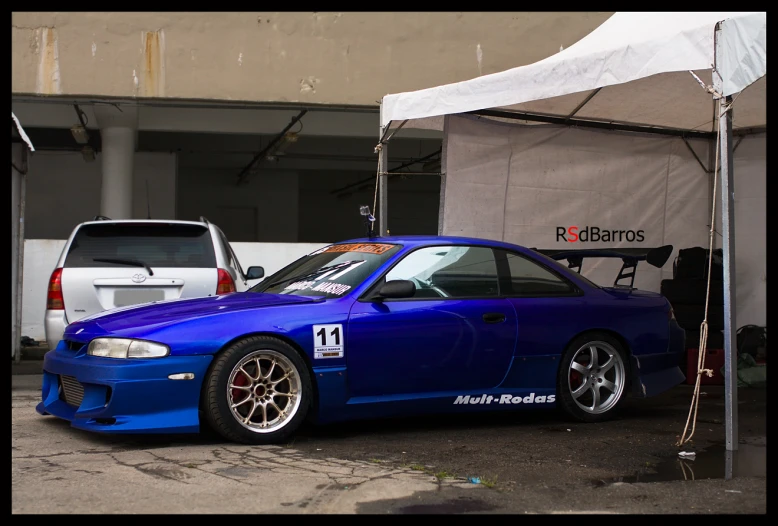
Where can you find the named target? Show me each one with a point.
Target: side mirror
(399, 288)
(255, 273)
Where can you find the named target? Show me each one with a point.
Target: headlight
(125, 348)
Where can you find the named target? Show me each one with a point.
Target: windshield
(330, 272)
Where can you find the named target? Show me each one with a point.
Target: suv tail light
(670, 313)
(54, 299)
(225, 284)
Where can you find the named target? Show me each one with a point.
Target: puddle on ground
(450, 506)
(749, 460)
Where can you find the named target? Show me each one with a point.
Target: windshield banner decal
(337, 289)
(367, 248)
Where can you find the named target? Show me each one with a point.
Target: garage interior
(306, 186)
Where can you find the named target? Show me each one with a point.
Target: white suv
(108, 264)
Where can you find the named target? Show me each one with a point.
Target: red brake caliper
(575, 378)
(240, 380)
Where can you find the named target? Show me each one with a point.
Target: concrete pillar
(18, 160)
(117, 157)
(118, 131)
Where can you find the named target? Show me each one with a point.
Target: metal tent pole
(727, 243)
(728, 247)
(383, 184)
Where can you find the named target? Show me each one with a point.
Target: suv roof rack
(203, 219)
(101, 218)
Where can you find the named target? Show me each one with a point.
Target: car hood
(162, 313)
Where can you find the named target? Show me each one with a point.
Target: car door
(456, 332)
(550, 311)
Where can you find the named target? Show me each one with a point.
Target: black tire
(690, 317)
(692, 291)
(565, 397)
(692, 263)
(215, 399)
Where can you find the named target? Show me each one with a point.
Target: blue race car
(372, 327)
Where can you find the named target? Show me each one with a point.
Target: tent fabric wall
(519, 183)
(750, 230)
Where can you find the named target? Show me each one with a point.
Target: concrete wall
(271, 256)
(263, 209)
(413, 204)
(40, 258)
(64, 190)
(338, 58)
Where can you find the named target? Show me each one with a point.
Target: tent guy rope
(379, 149)
(692, 418)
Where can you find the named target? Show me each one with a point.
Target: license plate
(122, 298)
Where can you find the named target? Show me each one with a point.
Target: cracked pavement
(527, 462)
(56, 469)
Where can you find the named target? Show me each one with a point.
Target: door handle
(494, 317)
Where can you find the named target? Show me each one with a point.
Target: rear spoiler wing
(656, 257)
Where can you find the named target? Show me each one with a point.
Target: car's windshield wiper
(133, 262)
(311, 274)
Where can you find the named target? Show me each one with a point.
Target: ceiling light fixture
(88, 153)
(80, 134)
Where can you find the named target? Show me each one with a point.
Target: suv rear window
(154, 244)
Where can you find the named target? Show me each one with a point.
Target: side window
(531, 279)
(449, 272)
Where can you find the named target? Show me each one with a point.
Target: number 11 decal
(323, 335)
(328, 341)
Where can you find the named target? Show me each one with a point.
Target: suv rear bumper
(54, 323)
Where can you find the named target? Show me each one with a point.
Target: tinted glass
(330, 272)
(154, 244)
(531, 279)
(553, 263)
(449, 272)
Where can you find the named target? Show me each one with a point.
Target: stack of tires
(686, 292)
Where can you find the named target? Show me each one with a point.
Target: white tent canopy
(674, 74)
(656, 49)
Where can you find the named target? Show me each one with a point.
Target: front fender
(209, 334)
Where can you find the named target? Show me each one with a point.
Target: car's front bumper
(123, 395)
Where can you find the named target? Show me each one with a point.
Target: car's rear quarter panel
(547, 326)
(642, 322)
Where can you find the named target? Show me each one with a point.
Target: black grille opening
(73, 346)
(105, 421)
(108, 393)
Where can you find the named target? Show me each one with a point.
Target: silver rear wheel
(596, 377)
